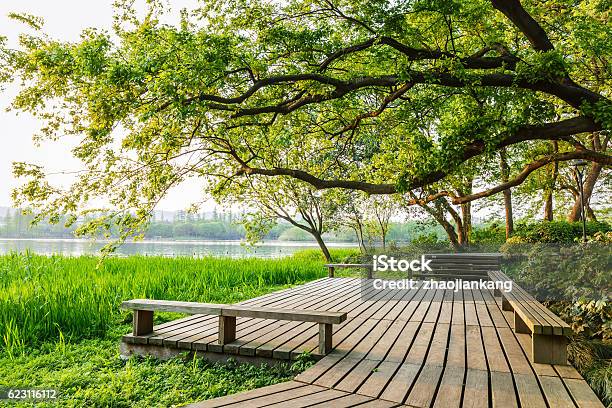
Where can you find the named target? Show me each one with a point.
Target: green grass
(593, 359)
(60, 325)
(45, 298)
(90, 373)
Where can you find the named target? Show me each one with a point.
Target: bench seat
(548, 331)
(144, 308)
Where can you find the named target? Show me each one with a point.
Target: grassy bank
(60, 325)
(45, 298)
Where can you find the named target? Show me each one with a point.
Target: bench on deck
(548, 331)
(144, 308)
(331, 267)
(466, 266)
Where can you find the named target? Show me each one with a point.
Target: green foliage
(48, 305)
(601, 111)
(575, 281)
(41, 297)
(492, 234)
(339, 255)
(593, 359)
(425, 240)
(556, 231)
(91, 373)
(321, 93)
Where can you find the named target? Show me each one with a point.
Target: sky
(64, 20)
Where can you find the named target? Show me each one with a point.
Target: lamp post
(579, 166)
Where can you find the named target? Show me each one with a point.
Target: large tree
(269, 200)
(379, 96)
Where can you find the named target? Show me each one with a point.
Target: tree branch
(549, 131)
(524, 22)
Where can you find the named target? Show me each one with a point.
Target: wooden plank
(567, 371)
(310, 400)
(451, 388)
(158, 337)
(173, 306)
(434, 307)
(301, 315)
(495, 355)
(436, 355)
(555, 392)
(363, 348)
(482, 311)
(528, 391)
(308, 342)
(378, 403)
(337, 372)
(400, 348)
(378, 379)
(249, 395)
(502, 390)
(345, 401)
(424, 389)
(206, 329)
(476, 389)
(456, 346)
(518, 362)
(401, 382)
(322, 366)
(418, 349)
(386, 341)
(475, 351)
(582, 393)
(357, 375)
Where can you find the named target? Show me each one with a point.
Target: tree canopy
(380, 96)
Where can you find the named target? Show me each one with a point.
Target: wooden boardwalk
(417, 348)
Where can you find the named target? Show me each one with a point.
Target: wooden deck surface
(417, 348)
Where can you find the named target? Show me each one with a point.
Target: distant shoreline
(186, 242)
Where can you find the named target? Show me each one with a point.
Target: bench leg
(547, 349)
(325, 338)
(330, 271)
(227, 329)
(143, 322)
(519, 325)
(506, 305)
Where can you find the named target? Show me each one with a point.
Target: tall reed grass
(43, 298)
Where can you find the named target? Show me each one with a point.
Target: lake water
(233, 249)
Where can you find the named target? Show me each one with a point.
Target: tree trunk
(550, 187)
(548, 206)
(359, 234)
(448, 227)
(322, 245)
(589, 184)
(466, 215)
(505, 176)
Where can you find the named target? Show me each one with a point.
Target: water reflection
(233, 249)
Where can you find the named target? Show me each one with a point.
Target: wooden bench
(144, 308)
(548, 331)
(331, 267)
(467, 266)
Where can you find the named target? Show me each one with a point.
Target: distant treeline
(214, 226)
